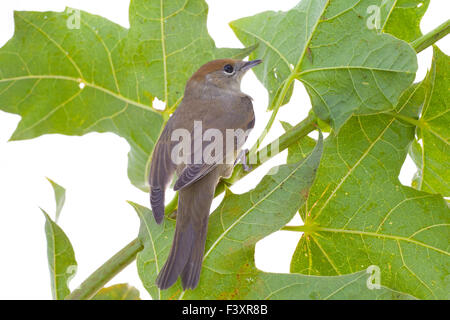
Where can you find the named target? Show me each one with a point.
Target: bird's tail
(186, 255)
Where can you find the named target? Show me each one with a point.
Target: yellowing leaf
(121, 291)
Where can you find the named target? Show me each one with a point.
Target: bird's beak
(250, 64)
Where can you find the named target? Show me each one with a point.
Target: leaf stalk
(278, 104)
(106, 272)
(431, 37)
(309, 229)
(415, 122)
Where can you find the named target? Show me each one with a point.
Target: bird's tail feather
(178, 257)
(190, 275)
(186, 255)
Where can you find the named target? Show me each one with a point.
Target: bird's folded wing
(192, 173)
(162, 166)
(242, 121)
(161, 172)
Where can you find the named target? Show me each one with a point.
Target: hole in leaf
(158, 104)
(407, 171)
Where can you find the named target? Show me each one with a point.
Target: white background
(93, 168)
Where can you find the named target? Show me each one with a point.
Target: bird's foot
(243, 158)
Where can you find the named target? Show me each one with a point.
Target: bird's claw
(243, 158)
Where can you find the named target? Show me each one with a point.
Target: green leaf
(358, 214)
(171, 41)
(346, 67)
(61, 259)
(60, 197)
(229, 271)
(121, 291)
(404, 18)
(432, 156)
(102, 77)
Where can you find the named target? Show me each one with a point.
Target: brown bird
(213, 102)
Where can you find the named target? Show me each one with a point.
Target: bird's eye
(228, 68)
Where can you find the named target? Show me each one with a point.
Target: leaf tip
(47, 217)
(286, 125)
(131, 203)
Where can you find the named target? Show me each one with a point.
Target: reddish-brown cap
(212, 66)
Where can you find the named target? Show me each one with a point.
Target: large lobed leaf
(103, 77)
(228, 270)
(358, 214)
(432, 156)
(346, 67)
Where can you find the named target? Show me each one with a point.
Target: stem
(414, 122)
(303, 228)
(431, 37)
(106, 272)
(278, 104)
(275, 147)
(114, 265)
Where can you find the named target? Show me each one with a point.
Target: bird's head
(224, 74)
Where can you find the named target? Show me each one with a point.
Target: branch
(431, 37)
(275, 147)
(106, 272)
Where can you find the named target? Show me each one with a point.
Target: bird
(212, 101)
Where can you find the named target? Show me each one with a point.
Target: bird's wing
(192, 173)
(245, 120)
(161, 172)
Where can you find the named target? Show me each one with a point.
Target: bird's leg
(243, 158)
